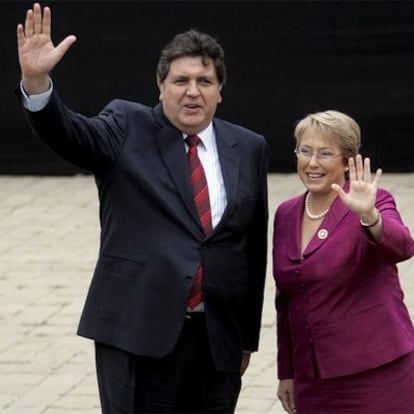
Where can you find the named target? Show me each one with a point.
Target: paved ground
(48, 245)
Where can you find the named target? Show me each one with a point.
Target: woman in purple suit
(345, 338)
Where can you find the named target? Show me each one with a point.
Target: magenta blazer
(340, 306)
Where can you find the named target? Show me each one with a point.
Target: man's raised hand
(37, 53)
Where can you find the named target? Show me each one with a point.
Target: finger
(352, 172)
(28, 23)
(367, 170)
(47, 21)
(338, 189)
(377, 177)
(37, 18)
(285, 403)
(64, 45)
(359, 167)
(20, 35)
(291, 403)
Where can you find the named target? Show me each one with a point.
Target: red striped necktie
(202, 202)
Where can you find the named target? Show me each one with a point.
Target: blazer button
(188, 279)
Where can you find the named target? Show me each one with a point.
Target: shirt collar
(206, 136)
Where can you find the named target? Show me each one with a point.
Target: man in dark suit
(175, 303)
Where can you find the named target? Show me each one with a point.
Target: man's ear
(161, 89)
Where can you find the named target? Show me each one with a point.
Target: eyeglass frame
(307, 155)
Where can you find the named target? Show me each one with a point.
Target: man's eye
(180, 81)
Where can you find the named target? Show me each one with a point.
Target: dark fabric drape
(284, 60)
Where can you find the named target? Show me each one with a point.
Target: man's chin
(192, 126)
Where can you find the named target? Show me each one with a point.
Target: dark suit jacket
(341, 305)
(151, 238)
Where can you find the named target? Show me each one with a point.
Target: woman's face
(320, 163)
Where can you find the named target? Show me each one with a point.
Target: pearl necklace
(308, 212)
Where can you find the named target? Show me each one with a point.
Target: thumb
(338, 189)
(64, 46)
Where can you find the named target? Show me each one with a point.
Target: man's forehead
(192, 63)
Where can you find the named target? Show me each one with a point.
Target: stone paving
(48, 246)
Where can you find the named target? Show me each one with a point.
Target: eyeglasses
(307, 154)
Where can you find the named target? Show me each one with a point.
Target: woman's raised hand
(362, 190)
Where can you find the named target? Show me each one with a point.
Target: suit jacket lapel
(172, 149)
(295, 217)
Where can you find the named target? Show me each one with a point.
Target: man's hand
(37, 54)
(245, 362)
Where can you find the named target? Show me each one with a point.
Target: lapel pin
(322, 234)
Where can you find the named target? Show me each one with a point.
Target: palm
(361, 196)
(37, 55)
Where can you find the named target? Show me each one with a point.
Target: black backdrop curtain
(284, 60)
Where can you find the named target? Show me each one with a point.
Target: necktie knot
(192, 140)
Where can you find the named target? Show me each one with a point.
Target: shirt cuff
(37, 102)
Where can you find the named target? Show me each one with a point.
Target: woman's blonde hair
(332, 124)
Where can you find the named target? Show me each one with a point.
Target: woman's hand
(362, 190)
(37, 54)
(285, 395)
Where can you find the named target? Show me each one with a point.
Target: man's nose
(192, 89)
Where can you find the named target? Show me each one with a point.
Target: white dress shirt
(35, 103)
(208, 155)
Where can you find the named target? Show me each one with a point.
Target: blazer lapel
(337, 212)
(172, 149)
(295, 217)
